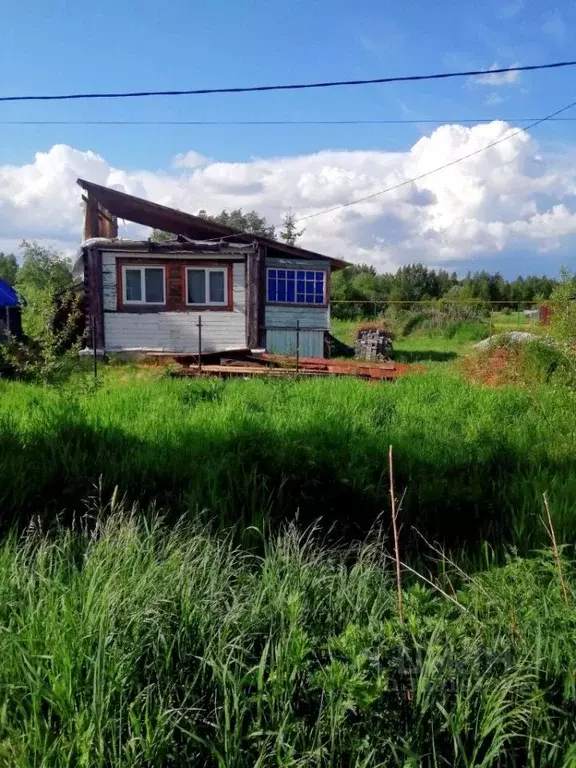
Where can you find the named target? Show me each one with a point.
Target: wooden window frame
(325, 301)
(175, 292)
(207, 270)
(206, 266)
(142, 269)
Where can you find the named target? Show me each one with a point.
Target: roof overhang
(140, 211)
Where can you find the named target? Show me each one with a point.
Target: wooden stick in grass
(395, 532)
(552, 534)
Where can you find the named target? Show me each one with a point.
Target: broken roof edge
(156, 216)
(150, 246)
(168, 246)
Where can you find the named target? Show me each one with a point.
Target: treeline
(358, 284)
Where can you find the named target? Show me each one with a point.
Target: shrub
(563, 300)
(452, 321)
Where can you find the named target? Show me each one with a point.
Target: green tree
(250, 222)
(290, 233)
(160, 236)
(44, 275)
(8, 268)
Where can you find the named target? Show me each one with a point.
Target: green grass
(419, 343)
(133, 643)
(157, 610)
(423, 347)
(473, 462)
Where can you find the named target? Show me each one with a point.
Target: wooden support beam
(95, 296)
(253, 297)
(98, 222)
(91, 220)
(261, 288)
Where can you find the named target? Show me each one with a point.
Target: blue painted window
(296, 286)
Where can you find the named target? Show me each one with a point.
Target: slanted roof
(140, 211)
(8, 296)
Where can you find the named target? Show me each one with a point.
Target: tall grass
(133, 643)
(473, 462)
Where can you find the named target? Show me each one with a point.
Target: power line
(440, 168)
(412, 121)
(291, 87)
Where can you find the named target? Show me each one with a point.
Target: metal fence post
(297, 344)
(199, 343)
(95, 356)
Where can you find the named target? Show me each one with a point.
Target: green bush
(451, 321)
(563, 302)
(550, 363)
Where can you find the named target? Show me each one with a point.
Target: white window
(207, 287)
(144, 285)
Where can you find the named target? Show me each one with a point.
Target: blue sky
(65, 46)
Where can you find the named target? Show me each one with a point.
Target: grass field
(473, 462)
(427, 348)
(140, 644)
(166, 603)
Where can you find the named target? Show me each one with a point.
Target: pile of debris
(373, 342)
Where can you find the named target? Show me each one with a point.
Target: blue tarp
(8, 296)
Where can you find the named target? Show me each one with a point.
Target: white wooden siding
(285, 343)
(280, 329)
(283, 316)
(172, 331)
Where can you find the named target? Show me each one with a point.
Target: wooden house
(250, 292)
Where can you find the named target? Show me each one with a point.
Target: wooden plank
(91, 219)
(230, 371)
(261, 333)
(253, 276)
(96, 297)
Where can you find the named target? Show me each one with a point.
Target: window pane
(290, 290)
(271, 288)
(300, 274)
(319, 299)
(133, 287)
(154, 279)
(300, 285)
(281, 290)
(196, 286)
(216, 280)
(320, 276)
(272, 273)
(281, 274)
(300, 298)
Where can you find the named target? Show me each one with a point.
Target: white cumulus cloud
(507, 200)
